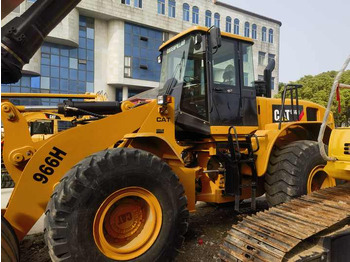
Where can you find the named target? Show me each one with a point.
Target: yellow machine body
(151, 127)
(339, 148)
(23, 157)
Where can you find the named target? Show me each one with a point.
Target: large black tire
(6, 180)
(288, 170)
(75, 201)
(9, 242)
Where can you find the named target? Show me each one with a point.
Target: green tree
(317, 89)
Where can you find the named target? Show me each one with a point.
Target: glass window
(73, 63)
(161, 7)
(64, 62)
(89, 87)
(35, 81)
(82, 42)
(64, 72)
(45, 82)
(236, 27)
(81, 75)
(125, 2)
(90, 44)
(25, 81)
(90, 76)
(217, 20)
(45, 70)
(90, 55)
(224, 68)
(90, 33)
(138, 3)
(55, 71)
(271, 36)
(228, 24)
(207, 18)
(171, 8)
(195, 15)
(248, 67)
(254, 29)
(73, 52)
(272, 83)
(64, 52)
(73, 74)
(186, 12)
(55, 50)
(54, 83)
(55, 60)
(246, 29)
(263, 34)
(261, 58)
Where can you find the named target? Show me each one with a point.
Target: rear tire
(289, 169)
(76, 203)
(9, 242)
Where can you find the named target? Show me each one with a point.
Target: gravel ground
(208, 227)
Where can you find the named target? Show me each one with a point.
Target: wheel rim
(319, 179)
(127, 223)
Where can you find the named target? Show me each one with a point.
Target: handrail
(326, 115)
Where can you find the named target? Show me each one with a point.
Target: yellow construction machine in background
(43, 121)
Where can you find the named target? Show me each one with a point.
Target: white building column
(125, 93)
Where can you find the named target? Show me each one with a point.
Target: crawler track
(270, 235)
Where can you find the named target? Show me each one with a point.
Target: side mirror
(268, 75)
(197, 42)
(159, 59)
(215, 38)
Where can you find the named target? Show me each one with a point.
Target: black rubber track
(9, 242)
(288, 170)
(73, 205)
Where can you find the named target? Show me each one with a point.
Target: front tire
(117, 205)
(293, 170)
(9, 242)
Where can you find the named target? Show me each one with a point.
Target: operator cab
(211, 78)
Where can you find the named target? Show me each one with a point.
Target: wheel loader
(121, 187)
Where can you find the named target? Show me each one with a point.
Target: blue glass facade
(63, 69)
(141, 45)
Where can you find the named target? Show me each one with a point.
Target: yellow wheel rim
(127, 223)
(319, 179)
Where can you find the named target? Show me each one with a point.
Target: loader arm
(49, 160)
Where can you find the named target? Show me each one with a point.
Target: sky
(315, 34)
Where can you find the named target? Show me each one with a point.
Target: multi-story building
(113, 45)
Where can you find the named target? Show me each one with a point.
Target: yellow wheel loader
(120, 187)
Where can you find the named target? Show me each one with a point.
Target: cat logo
(163, 119)
(288, 115)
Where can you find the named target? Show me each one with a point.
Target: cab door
(225, 91)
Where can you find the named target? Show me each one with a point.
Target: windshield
(173, 65)
(176, 60)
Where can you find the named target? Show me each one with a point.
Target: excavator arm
(23, 36)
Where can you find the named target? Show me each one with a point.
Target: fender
(272, 136)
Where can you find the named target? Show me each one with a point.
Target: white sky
(315, 34)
